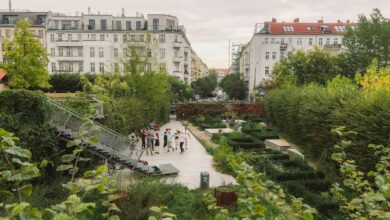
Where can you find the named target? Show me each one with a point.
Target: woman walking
(157, 143)
(181, 141)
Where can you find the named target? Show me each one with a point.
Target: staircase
(112, 146)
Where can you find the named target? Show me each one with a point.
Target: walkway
(191, 163)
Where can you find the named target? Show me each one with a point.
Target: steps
(112, 146)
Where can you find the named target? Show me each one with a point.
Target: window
(92, 67)
(282, 54)
(69, 37)
(138, 25)
(103, 24)
(56, 24)
(319, 41)
(288, 28)
(309, 28)
(128, 25)
(80, 51)
(273, 55)
(53, 52)
(335, 41)
(162, 52)
(40, 33)
(60, 52)
(101, 52)
(91, 24)
(266, 40)
(299, 41)
(53, 67)
(79, 37)
(81, 69)
(290, 40)
(116, 53)
(282, 40)
(155, 24)
(116, 67)
(69, 52)
(7, 33)
(327, 41)
(141, 37)
(266, 55)
(125, 38)
(170, 25)
(132, 37)
(52, 38)
(115, 38)
(118, 25)
(272, 40)
(161, 38)
(266, 71)
(102, 37)
(59, 37)
(101, 67)
(310, 41)
(91, 52)
(93, 36)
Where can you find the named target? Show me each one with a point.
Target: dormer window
(340, 28)
(288, 28)
(309, 28)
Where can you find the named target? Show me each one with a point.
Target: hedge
(68, 82)
(307, 114)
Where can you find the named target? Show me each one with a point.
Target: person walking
(157, 143)
(181, 141)
(176, 139)
(165, 138)
(149, 144)
(151, 132)
(169, 140)
(143, 136)
(187, 137)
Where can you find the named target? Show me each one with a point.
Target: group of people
(150, 140)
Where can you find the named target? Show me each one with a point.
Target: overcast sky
(211, 23)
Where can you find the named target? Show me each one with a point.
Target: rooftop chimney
(89, 10)
(274, 20)
(320, 21)
(296, 20)
(123, 12)
(348, 21)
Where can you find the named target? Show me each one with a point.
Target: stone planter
(225, 196)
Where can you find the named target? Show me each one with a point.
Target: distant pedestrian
(157, 143)
(149, 144)
(186, 137)
(169, 141)
(152, 133)
(165, 138)
(181, 141)
(143, 136)
(177, 139)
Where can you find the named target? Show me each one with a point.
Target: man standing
(169, 140)
(181, 141)
(149, 144)
(186, 137)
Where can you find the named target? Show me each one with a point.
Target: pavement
(191, 163)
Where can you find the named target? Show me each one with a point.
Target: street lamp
(254, 85)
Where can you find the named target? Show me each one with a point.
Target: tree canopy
(180, 91)
(25, 60)
(206, 85)
(234, 86)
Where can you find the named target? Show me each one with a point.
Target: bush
(68, 82)
(301, 175)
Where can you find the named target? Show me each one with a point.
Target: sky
(210, 24)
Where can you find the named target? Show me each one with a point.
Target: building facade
(274, 40)
(99, 43)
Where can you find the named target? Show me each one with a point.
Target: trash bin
(204, 180)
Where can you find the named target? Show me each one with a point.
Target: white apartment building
(274, 40)
(98, 43)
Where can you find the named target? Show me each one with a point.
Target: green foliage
(161, 213)
(27, 114)
(234, 86)
(180, 91)
(68, 82)
(370, 191)
(25, 60)
(205, 86)
(368, 41)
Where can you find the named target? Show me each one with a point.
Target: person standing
(177, 139)
(169, 140)
(165, 138)
(151, 132)
(181, 141)
(186, 137)
(149, 143)
(157, 143)
(143, 136)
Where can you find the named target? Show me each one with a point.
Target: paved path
(193, 161)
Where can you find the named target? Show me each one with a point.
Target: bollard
(204, 180)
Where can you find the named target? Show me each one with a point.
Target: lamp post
(254, 85)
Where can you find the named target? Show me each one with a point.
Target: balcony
(66, 43)
(70, 58)
(177, 44)
(137, 43)
(283, 46)
(177, 59)
(332, 46)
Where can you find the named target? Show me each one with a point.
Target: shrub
(68, 82)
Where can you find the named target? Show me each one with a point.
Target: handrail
(80, 117)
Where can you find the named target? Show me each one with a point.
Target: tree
(313, 66)
(234, 86)
(205, 85)
(369, 40)
(180, 91)
(25, 60)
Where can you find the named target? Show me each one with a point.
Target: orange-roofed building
(274, 40)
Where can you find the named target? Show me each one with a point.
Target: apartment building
(8, 20)
(274, 40)
(99, 43)
(199, 68)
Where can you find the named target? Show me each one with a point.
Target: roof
(3, 73)
(311, 28)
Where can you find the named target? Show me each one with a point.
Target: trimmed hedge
(68, 82)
